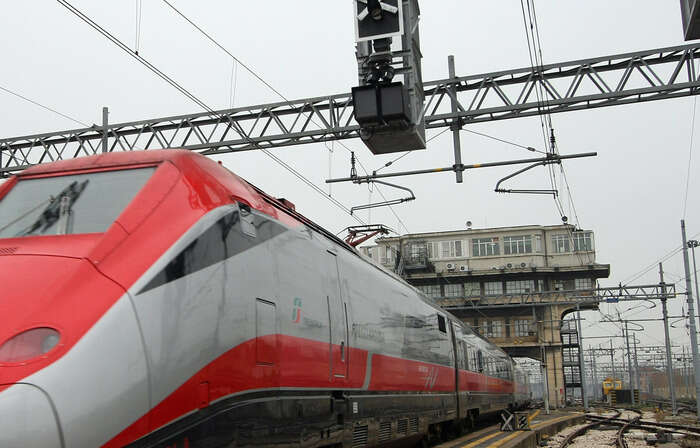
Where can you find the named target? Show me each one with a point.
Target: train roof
(243, 190)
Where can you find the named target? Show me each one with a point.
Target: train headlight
(28, 345)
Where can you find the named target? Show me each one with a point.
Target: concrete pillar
(555, 376)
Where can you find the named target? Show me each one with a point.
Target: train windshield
(78, 203)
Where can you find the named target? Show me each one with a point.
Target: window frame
(517, 244)
(561, 243)
(486, 247)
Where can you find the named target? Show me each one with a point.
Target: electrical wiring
(268, 85)
(690, 158)
(36, 103)
(199, 102)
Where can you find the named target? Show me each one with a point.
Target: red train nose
(46, 304)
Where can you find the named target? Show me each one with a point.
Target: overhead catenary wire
(233, 87)
(199, 102)
(273, 89)
(36, 103)
(690, 157)
(482, 134)
(534, 44)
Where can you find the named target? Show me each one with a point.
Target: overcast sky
(631, 195)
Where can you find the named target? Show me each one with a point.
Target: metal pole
(669, 359)
(636, 363)
(581, 363)
(612, 359)
(105, 131)
(543, 368)
(595, 376)
(691, 320)
(466, 167)
(629, 360)
(456, 123)
(693, 244)
(686, 374)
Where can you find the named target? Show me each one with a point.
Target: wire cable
(130, 52)
(267, 84)
(191, 96)
(4, 89)
(690, 157)
(498, 139)
(233, 84)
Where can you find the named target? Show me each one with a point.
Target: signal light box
(375, 19)
(383, 111)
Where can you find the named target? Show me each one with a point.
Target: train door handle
(342, 351)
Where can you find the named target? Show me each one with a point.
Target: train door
(459, 357)
(337, 319)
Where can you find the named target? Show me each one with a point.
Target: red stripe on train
(300, 363)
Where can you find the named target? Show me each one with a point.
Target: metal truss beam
(584, 84)
(583, 298)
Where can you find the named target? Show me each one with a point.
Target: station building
(511, 283)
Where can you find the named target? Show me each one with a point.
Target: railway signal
(376, 19)
(389, 112)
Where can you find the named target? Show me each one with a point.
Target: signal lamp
(375, 9)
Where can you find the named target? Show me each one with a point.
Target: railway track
(582, 430)
(626, 424)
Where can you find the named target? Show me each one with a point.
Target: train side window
(247, 221)
(480, 361)
(442, 325)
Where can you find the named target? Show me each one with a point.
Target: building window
(448, 249)
(561, 243)
(583, 283)
(433, 252)
(458, 249)
(583, 241)
(387, 254)
(452, 290)
(520, 286)
(494, 329)
(513, 245)
(431, 290)
(540, 284)
(521, 328)
(563, 285)
(483, 247)
(472, 289)
(493, 288)
(369, 252)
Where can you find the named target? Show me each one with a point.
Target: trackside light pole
(629, 362)
(582, 365)
(669, 358)
(691, 321)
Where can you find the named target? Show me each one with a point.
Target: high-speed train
(155, 299)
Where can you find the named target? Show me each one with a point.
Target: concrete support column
(555, 376)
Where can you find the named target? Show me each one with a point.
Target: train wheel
(470, 422)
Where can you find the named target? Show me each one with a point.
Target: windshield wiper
(59, 208)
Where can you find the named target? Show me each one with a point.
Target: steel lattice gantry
(583, 84)
(583, 298)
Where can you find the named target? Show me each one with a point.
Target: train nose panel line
(27, 418)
